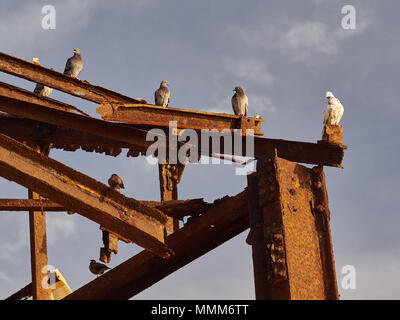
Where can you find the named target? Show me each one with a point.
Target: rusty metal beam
(83, 89)
(305, 152)
(136, 138)
(25, 292)
(92, 199)
(7, 90)
(298, 251)
(227, 218)
(144, 114)
(169, 176)
(177, 209)
(27, 130)
(38, 242)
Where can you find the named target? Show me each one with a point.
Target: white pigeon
(74, 65)
(162, 95)
(334, 110)
(240, 102)
(40, 89)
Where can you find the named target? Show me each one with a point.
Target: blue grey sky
(286, 55)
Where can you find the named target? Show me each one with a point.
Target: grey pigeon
(41, 89)
(97, 268)
(162, 95)
(240, 102)
(116, 182)
(74, 64)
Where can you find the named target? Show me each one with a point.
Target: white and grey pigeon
(162, 95)
(240, 102)
(41, 89)
(334, 110)
(74, 64)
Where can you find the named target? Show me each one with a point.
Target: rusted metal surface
(7, 90)
(24, 293)
(38, 244)
(226, 218)
(160, 117)
(177, 209)
(332, 134)
(134, 137)
(27, 130)
(30, 205)
(298, 267)
(169, 176)
(59, 81)
(256, 240)
(99, 135)
(82, 194)
(322, 217)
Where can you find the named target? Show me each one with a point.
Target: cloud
(22, 27)
(251, 70)
(60, 227)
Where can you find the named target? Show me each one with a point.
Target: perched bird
(334, 110)
(116, 182)
(162, 95)
(74, 64)
(97, 268)
(240, 102)
(41, 89)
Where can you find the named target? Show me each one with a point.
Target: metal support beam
(53, 79)
(25, 292)
(38, 243)
(170, 175)
(82, 194)
(7, 90)
(227, 218)
(155, 116)
(177, 209)
(296, 236)
(134, 137)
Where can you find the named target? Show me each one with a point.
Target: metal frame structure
(285, 205)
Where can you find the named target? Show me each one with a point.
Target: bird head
(77, 51)
(329, 94)
(36, 61)
(92, 261)
(238, 89)
(164, 83)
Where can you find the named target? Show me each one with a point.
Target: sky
(286, 55)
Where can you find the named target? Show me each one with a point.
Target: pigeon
(240, 102)
(41, 89)
(334, 110)
(74, 64)
(162, 95)
(97, 268)
(116, 182)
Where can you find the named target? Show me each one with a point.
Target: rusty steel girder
(53, 79)
(7, 90)
(144, 114)
(136, 138)
(177, 209)
(225, 219)
(82, 194)
(290, 234)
